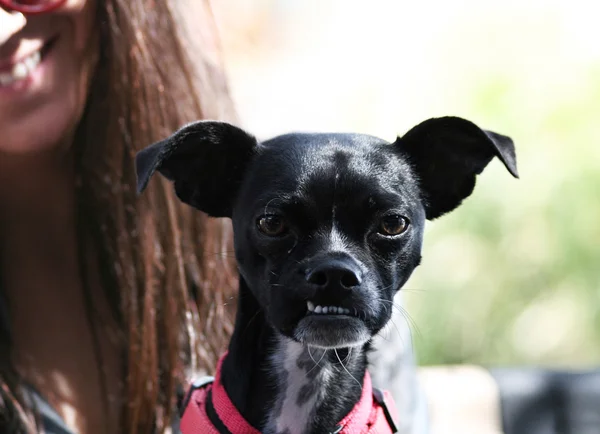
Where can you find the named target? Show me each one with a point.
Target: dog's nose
(334, 273)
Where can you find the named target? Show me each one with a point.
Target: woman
(105, 298)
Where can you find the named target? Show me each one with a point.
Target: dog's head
(327, 227)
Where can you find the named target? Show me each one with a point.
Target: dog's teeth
(327, 309)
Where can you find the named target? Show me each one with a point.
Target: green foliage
(513, 276)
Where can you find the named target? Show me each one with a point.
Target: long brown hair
(164, 267)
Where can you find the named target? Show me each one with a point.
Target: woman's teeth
(21, 70)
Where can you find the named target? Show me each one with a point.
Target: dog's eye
(271, 225)
(393, 225)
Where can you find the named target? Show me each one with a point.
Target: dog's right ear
(206, 162)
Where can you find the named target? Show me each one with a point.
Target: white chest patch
(301, 385)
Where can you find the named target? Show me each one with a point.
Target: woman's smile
(22, 71)
(46, 65)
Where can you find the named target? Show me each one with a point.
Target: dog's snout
(332, 274)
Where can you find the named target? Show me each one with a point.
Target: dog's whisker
(406, 316)
(322, 355)
(386, 307)
(250, 322)
(311, 357)
(399, 333)
(317, 364)
(388, 330)
(385, 288)
(413, 289)
(412, 325)
(349, 354)
(347, 371)
(385, 334)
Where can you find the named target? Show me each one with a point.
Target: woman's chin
(34, 136)
(43, 119)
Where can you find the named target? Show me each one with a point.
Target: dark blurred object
(535, 401)
(470, 399)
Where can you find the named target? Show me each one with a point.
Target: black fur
(331, 192)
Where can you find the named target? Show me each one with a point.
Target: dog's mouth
(317, 309)
(329, 326)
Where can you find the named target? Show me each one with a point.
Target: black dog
(327, 228)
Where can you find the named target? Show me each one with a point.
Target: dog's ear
(206, 162)
(447, 154)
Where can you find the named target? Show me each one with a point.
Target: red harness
(373, 414)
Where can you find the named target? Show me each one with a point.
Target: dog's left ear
(206, 162)
(447, 154)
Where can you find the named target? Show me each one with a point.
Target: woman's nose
(10, 23)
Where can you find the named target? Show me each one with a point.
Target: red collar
(373, 414)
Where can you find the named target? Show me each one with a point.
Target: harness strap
(194, 418)
(387, 404)
(200, 383)
(373, 414)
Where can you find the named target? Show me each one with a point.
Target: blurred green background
(512, 276)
